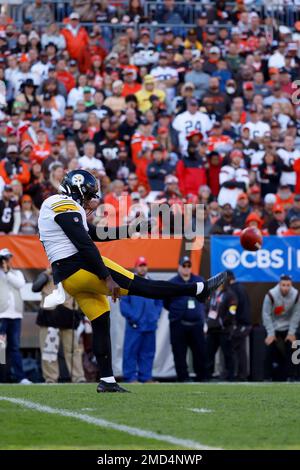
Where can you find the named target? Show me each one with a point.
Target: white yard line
(103, 423)
(200, 410)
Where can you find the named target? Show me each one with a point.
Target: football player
(89, 277)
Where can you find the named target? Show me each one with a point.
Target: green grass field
(181, 416)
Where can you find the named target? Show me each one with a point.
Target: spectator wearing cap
(225, 224)
(165, 75)
(41, 67)
(234, 179)
(27, 95)
(191, 171)
(277, 224)
(141, 317)
(29, 216)
(49, 105)
(22, 73)
(257, 128)
(269, 173)
(107, 148)
(186, 317)
(11, 313)
(148, 89)
(89, 161)
(190, 120)
(191, 41)
(77, 39)
(116, 102)
(281, 317)
(199, 78)
(142, 140)
(12, 167)
(218, 141)
(242, 210)
(145, 54)
(130, 85)
(157, 170)
(179, 103)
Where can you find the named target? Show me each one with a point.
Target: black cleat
(211, 285)
(104, 387)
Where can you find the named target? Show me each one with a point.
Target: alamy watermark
(159, 221)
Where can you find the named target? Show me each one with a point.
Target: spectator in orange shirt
(64, 76)
(13, 168)
(117, 204)
(284, 196)
(217, 141)
(42, 149)
(77, 41)
(130, 86)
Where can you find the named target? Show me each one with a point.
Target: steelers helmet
(80, 185)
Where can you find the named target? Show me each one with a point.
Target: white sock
(109, 380)
(200, 287)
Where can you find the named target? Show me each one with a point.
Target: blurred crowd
(178, 114)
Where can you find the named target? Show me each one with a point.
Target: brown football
(251, 239)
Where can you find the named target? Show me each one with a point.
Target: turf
(250, 416)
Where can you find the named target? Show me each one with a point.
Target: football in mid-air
(251, 239)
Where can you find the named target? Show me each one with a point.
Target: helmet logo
(78, 179)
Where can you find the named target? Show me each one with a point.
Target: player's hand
(114, 288)
(290, 338)
(269, 340)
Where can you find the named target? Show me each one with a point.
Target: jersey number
(6, 216)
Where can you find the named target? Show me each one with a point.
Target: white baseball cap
(5, 253)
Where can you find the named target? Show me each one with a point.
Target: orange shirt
(67, 79)
(40, 152)
(131, 89)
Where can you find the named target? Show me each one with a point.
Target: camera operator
(11, 312)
